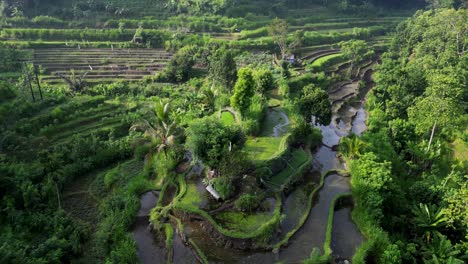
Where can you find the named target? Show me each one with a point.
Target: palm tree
(351, 146)
(209, 98)
(76, 82)
(161, 132)
(428, 218)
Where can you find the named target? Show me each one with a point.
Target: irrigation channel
(348, 115)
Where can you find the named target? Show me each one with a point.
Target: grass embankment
(228, 118)
(304, 217)
(298, 163)
(262, 149)
(326, 61)
(331, 213)
(242, 222)
(122, 183)
(201, 255)
(101, 65)
(188, 200)
(191, 197)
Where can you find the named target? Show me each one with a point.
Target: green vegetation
(263, 148)
(211, 103)
(228, 118)
(242, 221)
(405, 162)
(298, 164)
(325, 62)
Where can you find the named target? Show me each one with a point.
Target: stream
(348, 116)
(147, 249)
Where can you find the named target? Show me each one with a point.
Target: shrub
(112, 89)
(111, 177)
(257, 108)
(223, 186)
(47, 21)
(180, 66)
(5, 92)
(209, 140)
(284, 88)
(251, 127)
(263, 80)
(247, 203)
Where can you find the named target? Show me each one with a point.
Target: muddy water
(182, 254)
(359, 122)
(219, 254)
(296, 202)
(346, 237)
(312, 234)
(148, 250)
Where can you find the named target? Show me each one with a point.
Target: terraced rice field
(102, 65)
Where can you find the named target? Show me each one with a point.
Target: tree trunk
(58, 195)
(37, 81)
(432, 136)
(30, 88)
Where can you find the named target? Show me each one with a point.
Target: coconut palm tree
(209, 98)
(161, 131)
(76, 82)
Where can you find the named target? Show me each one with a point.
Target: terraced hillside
(102, 65)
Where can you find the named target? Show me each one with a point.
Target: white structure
(213, 192)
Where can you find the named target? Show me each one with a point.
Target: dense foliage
(404, 173)
(104, 100)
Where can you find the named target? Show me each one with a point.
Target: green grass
(241, 221)
(191, 197)
(262, 148)
(460, 150)
(321, 61)
(227, 118)
(169, 232)
(298, 160)
(200, 253)
(331, 213)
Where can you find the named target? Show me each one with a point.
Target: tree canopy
(210, 141)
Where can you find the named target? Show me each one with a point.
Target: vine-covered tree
(243, 91)
(264, 80)
(180, 66)
(223, 68)
(211, 141)
(278, 30)
(315, 102)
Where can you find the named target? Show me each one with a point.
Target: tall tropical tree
(278, 29)
(243, 90)
(161, 131)
(209, 98)
(223, 68)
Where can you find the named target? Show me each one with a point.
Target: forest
(234, 131)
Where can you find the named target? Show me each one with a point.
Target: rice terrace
(233, 131)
